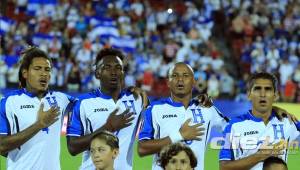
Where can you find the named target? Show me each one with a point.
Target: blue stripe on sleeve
(226, 153)
(4, 124)
(75, 127)
(147, 131)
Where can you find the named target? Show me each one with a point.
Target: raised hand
(191, 132)
(116, 122)
(47, 118)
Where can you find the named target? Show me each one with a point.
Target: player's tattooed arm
(45, 119)
(113, 123)
(282, 113)
(204, 100)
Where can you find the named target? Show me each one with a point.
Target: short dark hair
(262, 75)
(109, 138)
(171, 150)
(27, 56)
(273, 160)
(109, 52)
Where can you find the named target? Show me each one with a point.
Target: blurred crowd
(223, 40)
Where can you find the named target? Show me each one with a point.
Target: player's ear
(276, 96)
(24, 73)
(194, 81)
(97, 74)
(248, 94)
(115, 153)
(168, 82)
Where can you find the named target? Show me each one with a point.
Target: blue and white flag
(127, 44)
(5, 25)
(39, 38)
(34, 5)
(103, 30)
(95, 20)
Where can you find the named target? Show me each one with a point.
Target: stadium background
(224, 41)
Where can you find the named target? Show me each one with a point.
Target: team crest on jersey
(52, 101)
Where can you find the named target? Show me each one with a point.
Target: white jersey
(18, 111)
(166, 116)
(92, 111)
(245, 134)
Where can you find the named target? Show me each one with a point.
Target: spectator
(3, 76)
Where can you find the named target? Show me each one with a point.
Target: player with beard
(31, 117)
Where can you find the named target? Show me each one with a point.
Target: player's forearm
(241, 164)
(148, 147)
(77, 145)
(10, 142)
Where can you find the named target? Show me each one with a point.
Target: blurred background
(223, 40)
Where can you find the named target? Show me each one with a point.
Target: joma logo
(26, 107)
(100, 110)
(169, 116)
(250, 133)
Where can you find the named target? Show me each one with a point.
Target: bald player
(178, 119)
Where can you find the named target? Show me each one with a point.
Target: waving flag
(5, 25)
(39, 38)
(103, 30)
(127, 44)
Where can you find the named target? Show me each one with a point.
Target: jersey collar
(105, 96)
(178, 104)
(257, 119)
(32, 95)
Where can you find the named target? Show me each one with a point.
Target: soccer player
(93, 112)
(104, 150)
(31, 117)
(178, 118)
(257, 135)
(177, 157)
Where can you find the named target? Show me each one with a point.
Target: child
(104, 150)
(177, 156)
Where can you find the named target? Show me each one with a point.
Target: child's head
(274, 163)
(177, 156)
(104, 149)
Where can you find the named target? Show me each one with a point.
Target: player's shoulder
(159, 102)
(239, 119)
(13, 93)
(88, 95)
(236, 120)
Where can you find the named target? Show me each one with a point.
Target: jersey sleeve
(226, 152)
(147, 130)
(4, 124)
(75, 124)
(295, 131)
(219, 119)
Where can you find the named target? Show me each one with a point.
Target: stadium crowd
(223, 41)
